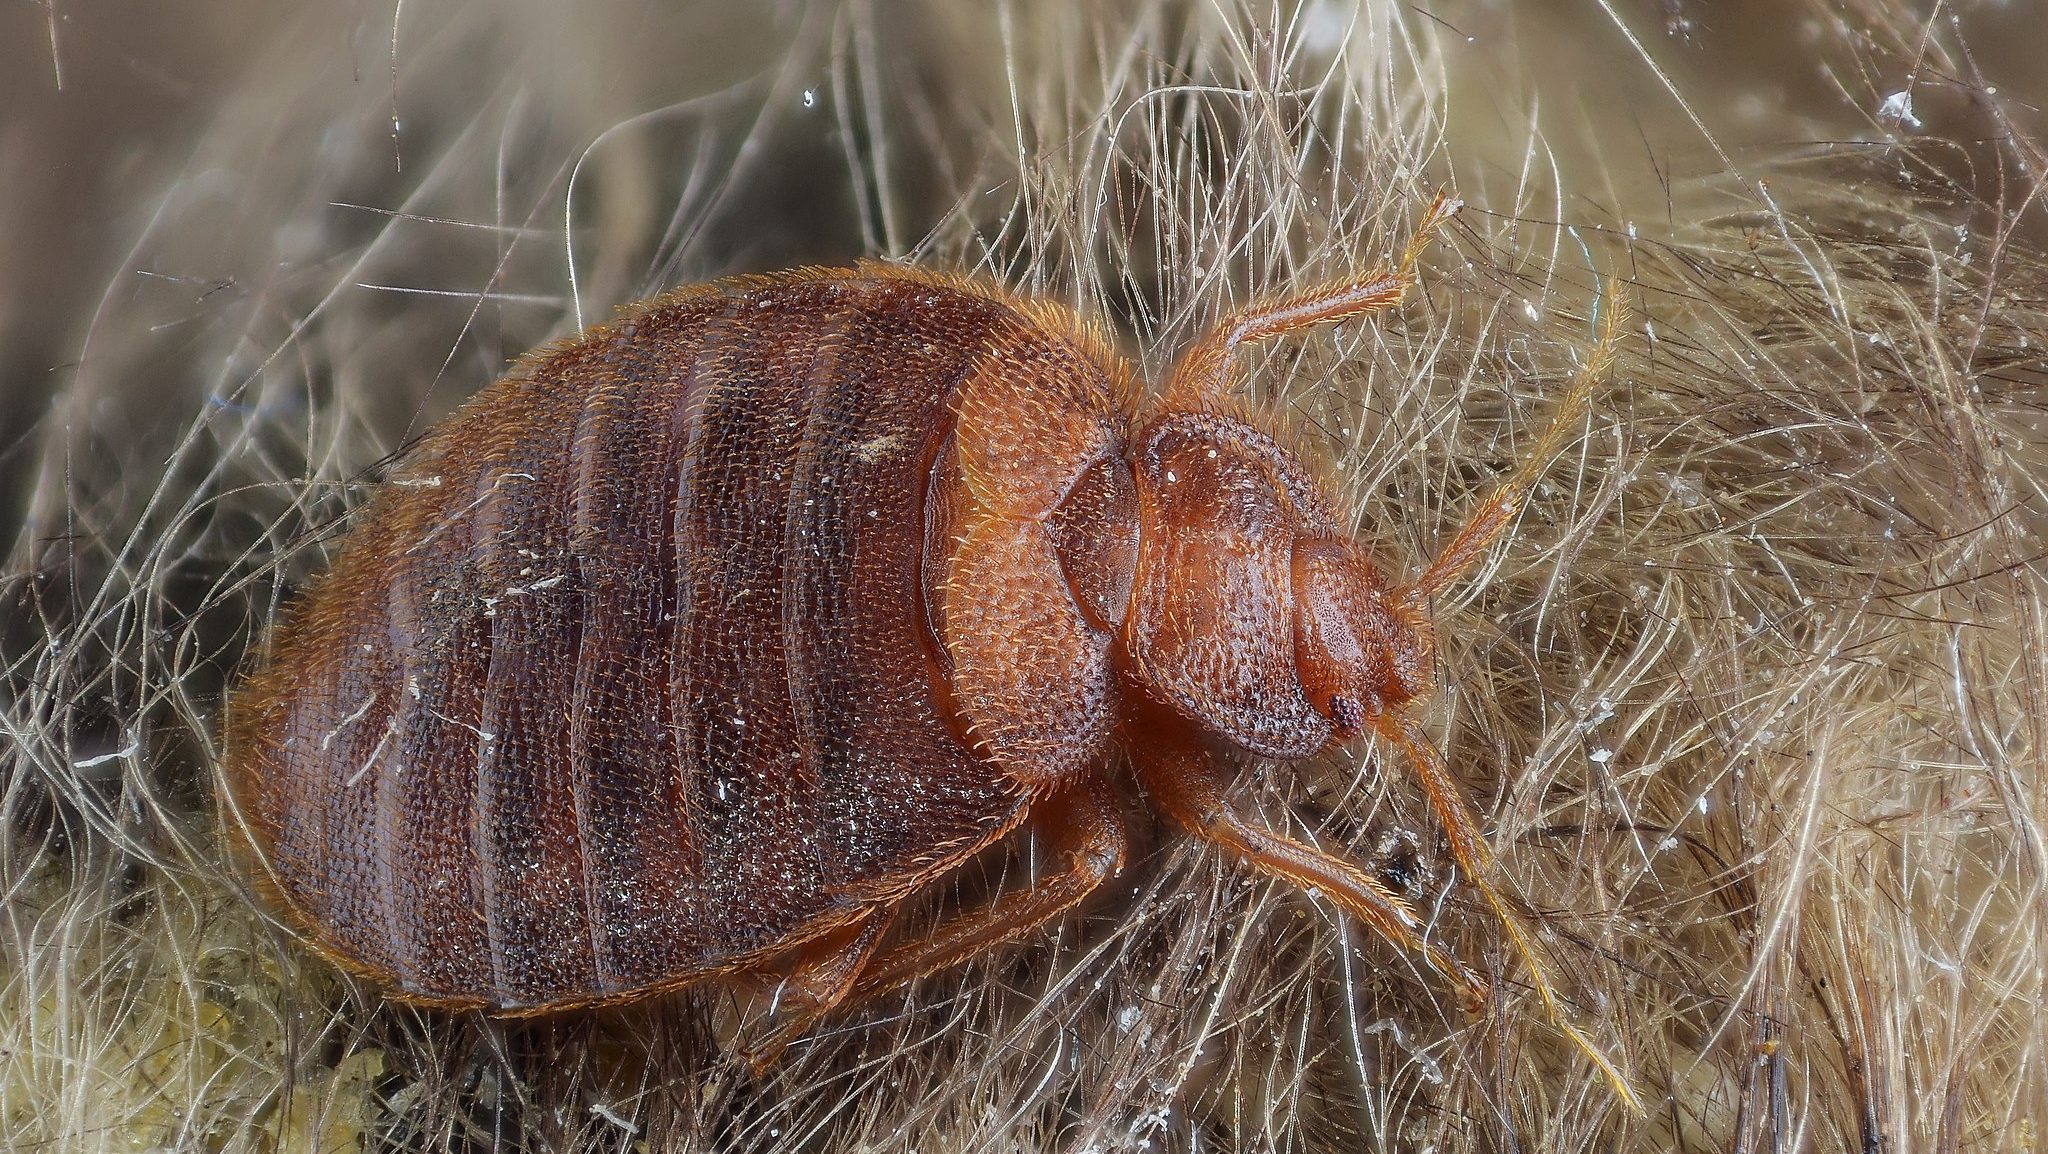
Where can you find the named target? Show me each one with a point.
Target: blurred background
(1753, 705)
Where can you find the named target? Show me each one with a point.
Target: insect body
(707, 637)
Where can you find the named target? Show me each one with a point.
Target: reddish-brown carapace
(709, 636)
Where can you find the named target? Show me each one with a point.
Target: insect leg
(825, 970)
(1189, 787)
(1081, 822)
(1462, 832)
(1205, 373)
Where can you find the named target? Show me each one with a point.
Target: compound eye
(1347, 715)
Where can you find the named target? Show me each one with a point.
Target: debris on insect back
(730, 626)
(1744, 698)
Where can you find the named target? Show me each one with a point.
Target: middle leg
(1082, 825)
(838, 970)
(817, 984)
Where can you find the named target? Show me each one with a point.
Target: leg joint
(1104, 859)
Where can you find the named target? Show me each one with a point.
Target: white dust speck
(600, 1110)
(128, 750)
(877, 448)
(1898, 109)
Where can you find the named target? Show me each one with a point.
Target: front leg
(1448, 799)
(1205, 376)
(1188, 784)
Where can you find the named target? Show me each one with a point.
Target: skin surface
(707, 637)
(596, 699)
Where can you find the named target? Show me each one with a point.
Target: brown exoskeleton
(708, 637)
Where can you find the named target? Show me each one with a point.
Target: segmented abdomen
(626, 676)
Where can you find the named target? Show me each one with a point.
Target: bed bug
(708, 637)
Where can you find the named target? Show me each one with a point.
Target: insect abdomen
(626, 678)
